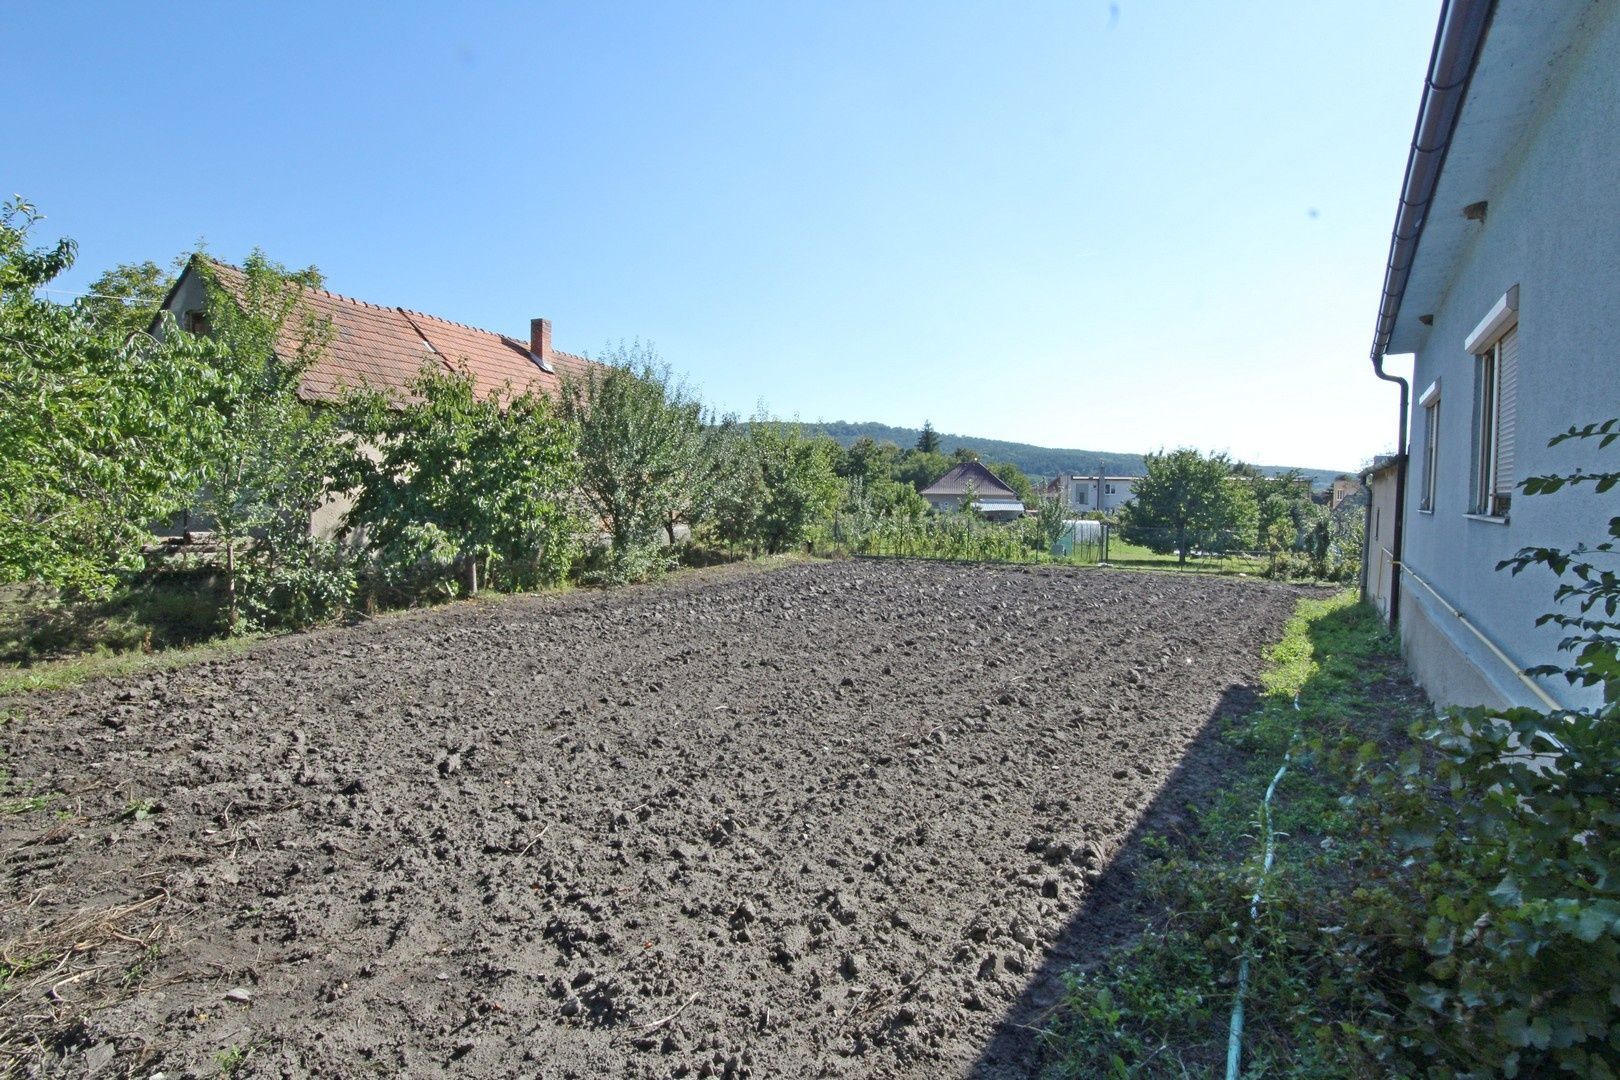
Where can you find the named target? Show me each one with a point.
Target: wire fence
(964, 538)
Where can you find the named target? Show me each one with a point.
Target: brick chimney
(540, 339)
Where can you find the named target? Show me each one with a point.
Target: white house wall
(1552, 229)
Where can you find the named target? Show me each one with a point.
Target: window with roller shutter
(1496, 392)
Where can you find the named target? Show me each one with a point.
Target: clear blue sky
(1110, 226)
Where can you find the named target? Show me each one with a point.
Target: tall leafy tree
(486, 481)
(1187, 501)
(800, 487)
(869, 460)
(640, 442)
(920, 468)
(778, 484)
(100, 432)
(270, 466)
(125, 299)
(1014, 477)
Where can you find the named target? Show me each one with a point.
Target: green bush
(295, 585)
(1505, 824)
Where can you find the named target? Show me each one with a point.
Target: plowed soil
(830, 820)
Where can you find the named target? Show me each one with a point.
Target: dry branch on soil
(55, 970)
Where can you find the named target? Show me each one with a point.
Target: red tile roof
(386, 347)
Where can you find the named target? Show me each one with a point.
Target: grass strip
(1159, 1005)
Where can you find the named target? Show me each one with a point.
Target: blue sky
(1110, 226)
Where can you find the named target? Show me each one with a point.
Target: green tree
(99, 431)
(125, 299)
(928, 440)
(870, 460)
(779, 485)
(1014, 477)
(640, 450)
(733, 481)
(920, 468)
(271, 463)
(1187, 501)
(454, 481)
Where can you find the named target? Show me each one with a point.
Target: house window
(196, 322)
(1082, 497)
(1496, 393)
(1431, 446)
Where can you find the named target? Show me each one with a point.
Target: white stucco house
(1092, 494)
(1503, 285)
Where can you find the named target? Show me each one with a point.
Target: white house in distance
(991, 498)
(1503, 275)
(1092, 494)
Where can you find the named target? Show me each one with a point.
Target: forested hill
(1043, 461)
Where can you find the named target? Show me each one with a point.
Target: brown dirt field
(840, 819)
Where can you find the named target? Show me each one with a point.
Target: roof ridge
(411, 314)
(453, 322)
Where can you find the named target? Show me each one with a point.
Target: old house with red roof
(385, 348)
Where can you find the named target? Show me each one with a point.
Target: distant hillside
(1042, 461)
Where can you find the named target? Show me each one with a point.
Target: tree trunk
(230, 582)
(472, 575)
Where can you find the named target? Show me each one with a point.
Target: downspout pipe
(1457, 43)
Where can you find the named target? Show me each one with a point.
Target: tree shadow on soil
(1110, 912)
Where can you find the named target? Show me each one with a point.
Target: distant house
(991, 498)
(1092, 494)
(1501, 283)
(384, 348)
(1344, 487)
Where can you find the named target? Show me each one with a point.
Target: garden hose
(1234, 1037)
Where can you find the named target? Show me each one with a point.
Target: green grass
(1159, 1006)
(61, 674)
(1137, 557)
(230, 1060)
(171, 610)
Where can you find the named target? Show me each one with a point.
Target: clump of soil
(833, 820)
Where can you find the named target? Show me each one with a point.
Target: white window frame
(1430, 403)
(1485, 346)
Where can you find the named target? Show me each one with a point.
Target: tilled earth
(837, 819)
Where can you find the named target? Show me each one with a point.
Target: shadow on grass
(158, 612)
(1366, 693)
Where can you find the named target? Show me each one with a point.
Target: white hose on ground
(1234, 1035)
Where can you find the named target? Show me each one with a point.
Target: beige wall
(1378, 562)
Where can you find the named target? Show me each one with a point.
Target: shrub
(1506, 824)
(295, 585)
(487, 481)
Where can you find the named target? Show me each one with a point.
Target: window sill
(1426, 512)
(1487, 518)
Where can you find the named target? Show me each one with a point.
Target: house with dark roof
(385, 348)
(991, 498)
(1501, 285)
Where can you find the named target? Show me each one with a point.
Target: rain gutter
(1457, 44)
